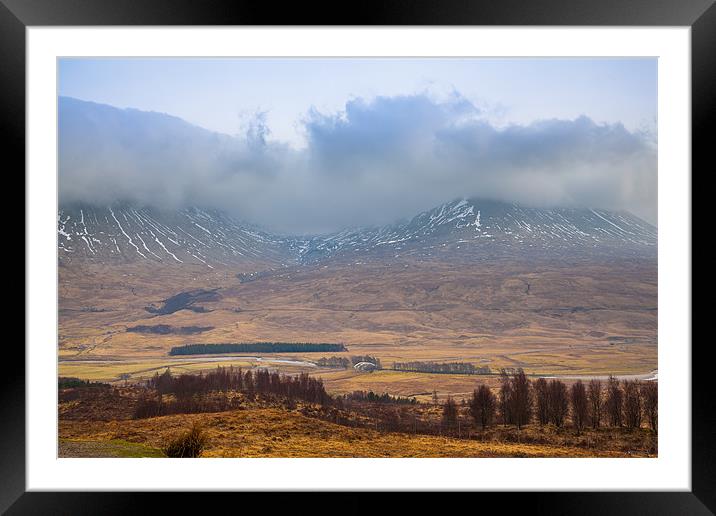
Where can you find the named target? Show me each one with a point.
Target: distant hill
(483, 229)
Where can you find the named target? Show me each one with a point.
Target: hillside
(480, 229)
(125, 234)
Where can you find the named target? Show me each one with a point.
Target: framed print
(439, 249)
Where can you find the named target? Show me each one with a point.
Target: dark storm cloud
(374, 162)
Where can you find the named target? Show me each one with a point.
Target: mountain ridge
(470, 228)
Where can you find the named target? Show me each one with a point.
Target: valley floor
(338, 381)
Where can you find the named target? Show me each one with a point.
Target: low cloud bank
(373, 163)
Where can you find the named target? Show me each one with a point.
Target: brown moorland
(583, 318)
(92, 425)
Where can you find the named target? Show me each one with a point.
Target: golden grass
(399, 383)
(273, 432)
(116, 448)
(139, 370)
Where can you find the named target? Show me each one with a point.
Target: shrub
(147, 407)
(76, 383)
(189, 444)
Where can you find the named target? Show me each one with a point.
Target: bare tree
(391, 420)
(558, 402)
(239, 380)
(450, 414)
(482, 406)
(632, 403)
(504, 398)
(594, 396)
(249, 384)
(650, 399)
(541, 390)
(614, 402)
(578, 397)
(521, 399)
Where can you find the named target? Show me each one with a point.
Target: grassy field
(273, 432)
(337, 381)
(110, 371)
(115, 448)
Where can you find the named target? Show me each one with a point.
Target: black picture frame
(700, 15)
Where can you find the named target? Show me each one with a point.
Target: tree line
(520, 401)
(441, 367)
(259, 381)
(341, 362)
(257, 347)
(372, 397)
(191, 390)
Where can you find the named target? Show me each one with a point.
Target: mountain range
(463, 229)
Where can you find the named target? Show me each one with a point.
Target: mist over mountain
(369, 165)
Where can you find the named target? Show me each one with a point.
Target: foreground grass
(275, 432)
(114, 448)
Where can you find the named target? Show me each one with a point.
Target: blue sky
(320, 144)
(222, 94)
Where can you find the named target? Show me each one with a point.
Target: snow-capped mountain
(492, 228)
(467, 229)
(123, 233)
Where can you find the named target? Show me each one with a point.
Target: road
(650, 376)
